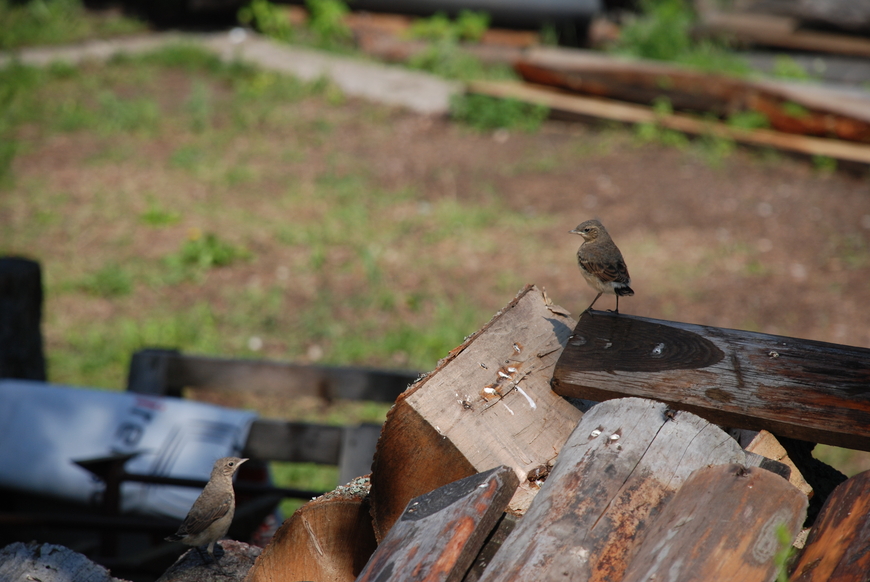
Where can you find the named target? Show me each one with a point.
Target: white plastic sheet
(44, 428)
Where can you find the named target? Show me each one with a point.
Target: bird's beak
(573, 231)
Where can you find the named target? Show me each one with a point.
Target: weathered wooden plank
(808, 390)
(845, 114)
(632, 113)
(329, 539)
(721, 525)
(838, 547)
(618, 469)
(264, 377)
(358, 445)
(295, 442)
(488, 403)
(750, 28)
(493, 543)
(439, 534)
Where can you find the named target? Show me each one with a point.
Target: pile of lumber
(486, 472)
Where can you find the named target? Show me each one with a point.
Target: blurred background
(178, 199)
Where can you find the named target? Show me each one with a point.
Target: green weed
(157, 216)
(37, 22)
(785, 67)
(825, 164)
(326, 20)
(663, 32)
(795, 110)
(199, 107)
(748, 120)
(469, 25)
(201, 252)
(784, 555)
(268, 19)
(110, 281)
(485, 113)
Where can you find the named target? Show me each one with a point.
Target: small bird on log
(212, 512)
(601, 263)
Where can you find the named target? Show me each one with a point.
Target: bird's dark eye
(231, 463)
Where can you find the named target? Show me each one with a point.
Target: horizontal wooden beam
(159, 372)
(632, 113)
(807, 390)
(770, 30)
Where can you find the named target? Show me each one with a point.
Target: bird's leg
(589, 309)
(214, 559)
(617, 305)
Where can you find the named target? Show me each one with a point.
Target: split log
(329, 539)
(488, 403)
(49, 563)
(616, 472)
(21, 354)
(439, 534)
(837, 548)
(767, 445)
(808, 390)
(723, 524)
(234, 561)
(631, 113)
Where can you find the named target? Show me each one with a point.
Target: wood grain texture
(329, 539)
(838, 547)
(721, 525)
(807, 390)
(489, 403)
(439, 534)
(616, 472)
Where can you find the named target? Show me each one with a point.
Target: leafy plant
(157, 216)
(825, 164)
(268, 19)
(786, 67)
(326, 19)
(469, 25)
(748, 120)
(663, 32)
(472, 25)
(56, 21)
(795, 110)
(484, 113)
(203, 251)
(110, 281)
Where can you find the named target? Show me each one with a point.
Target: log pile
(500, 465)
(483, 472)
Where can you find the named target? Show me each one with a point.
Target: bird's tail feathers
(624, 291)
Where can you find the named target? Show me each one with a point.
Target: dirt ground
(750, 242)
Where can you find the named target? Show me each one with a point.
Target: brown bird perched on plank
(601, 262)
(212, 512)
